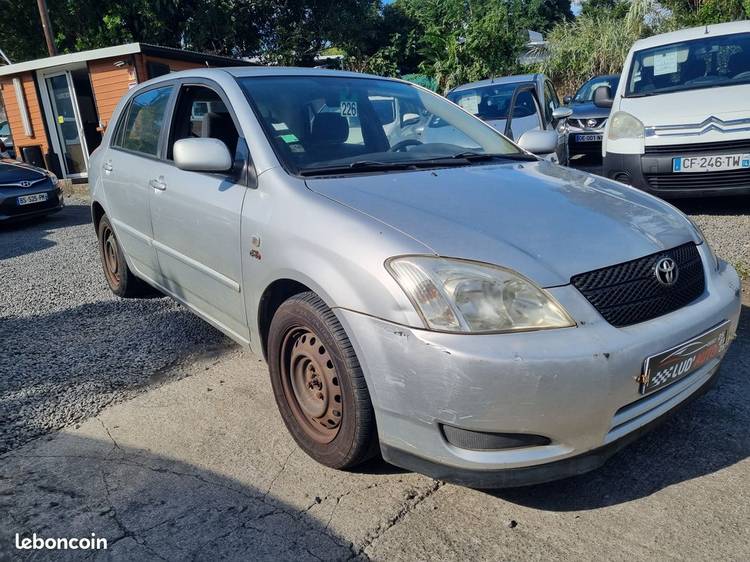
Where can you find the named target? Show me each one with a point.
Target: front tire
(120, 279)
(318, 384)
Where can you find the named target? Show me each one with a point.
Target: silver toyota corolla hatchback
(466, 309)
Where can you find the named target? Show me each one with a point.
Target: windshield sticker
(290, 138)
(665, 62)
(470, 103)
(280, 126)
(348, 108)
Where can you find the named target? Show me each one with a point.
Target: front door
(196, 216)
(68, 125)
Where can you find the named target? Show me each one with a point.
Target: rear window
(141, 124)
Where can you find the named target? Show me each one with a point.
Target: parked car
(27, 191)
(586, 123)
(472, 311)
(6, 141)
(679, 125)
(514, 105)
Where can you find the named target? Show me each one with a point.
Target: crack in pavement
(404, 509)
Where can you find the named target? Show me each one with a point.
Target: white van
(680, 121)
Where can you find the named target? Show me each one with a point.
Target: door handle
(107, 167)
(158, 184)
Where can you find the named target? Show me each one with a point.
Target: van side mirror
(603, 97)
(202, 155)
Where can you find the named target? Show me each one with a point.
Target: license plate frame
(31, 199)
(591, 137)
(674, 364)
(710, 163)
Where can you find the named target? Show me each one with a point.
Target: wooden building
(58, 107)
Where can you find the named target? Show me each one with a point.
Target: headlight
(624, 126)
(702, 240)
(454, 295)
(53, 178)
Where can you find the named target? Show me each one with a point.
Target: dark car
(586, 124)
(27, 191)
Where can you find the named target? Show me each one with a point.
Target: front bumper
(10, 211)
(575, 386)
(653, 173)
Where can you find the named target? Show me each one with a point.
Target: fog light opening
(484, 441)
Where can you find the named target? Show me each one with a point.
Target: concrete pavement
(203, 468)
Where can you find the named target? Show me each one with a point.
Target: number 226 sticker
(348, 109)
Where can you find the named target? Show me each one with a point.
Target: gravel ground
(69, 347)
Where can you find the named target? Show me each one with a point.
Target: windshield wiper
(358, 166)
(472, 156)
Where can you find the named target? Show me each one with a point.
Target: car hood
(588, 110)
(542, 220)
(689, 107)
(12, 172)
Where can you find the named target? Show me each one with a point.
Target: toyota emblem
(591, 123)
(666, 272)
(25, 183)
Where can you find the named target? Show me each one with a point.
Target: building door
(70, 133)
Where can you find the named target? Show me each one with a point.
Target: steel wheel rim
(109, 252)
(311, 386)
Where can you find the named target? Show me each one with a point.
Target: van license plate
(33, 198)
(677, 363)
(688, 164)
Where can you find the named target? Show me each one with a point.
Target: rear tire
(318, 384)
(120, 279)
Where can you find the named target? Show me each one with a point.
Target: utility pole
(47, 27)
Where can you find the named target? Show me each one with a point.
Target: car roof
(692, 33)
(515, 79)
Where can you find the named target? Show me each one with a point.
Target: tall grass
(586, 47)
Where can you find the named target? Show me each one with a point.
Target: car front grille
(629, 292)
(584, 123)
(741, 145)
(700, 180)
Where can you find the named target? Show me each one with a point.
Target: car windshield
(586, 92)
(322, 122)
(707, 62)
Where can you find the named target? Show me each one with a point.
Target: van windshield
(318, 122)
(707, 62)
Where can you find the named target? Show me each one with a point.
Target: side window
(201, 113)
(143, 122)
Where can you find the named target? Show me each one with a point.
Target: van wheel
(318, 384)
(120, 279)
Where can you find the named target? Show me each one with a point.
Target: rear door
(196, 215)
(129, 162)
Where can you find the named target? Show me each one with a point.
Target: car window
(526, 115)
(486, 102)
(586, 92)
(142, 123)
(318, 121)
(201, 113)
(710, 61)
(4, 128)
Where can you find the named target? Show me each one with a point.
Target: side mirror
(567, 99)
(539, 142)
(603, 97)
(560, 113)
(202, 155)
(409, 119)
